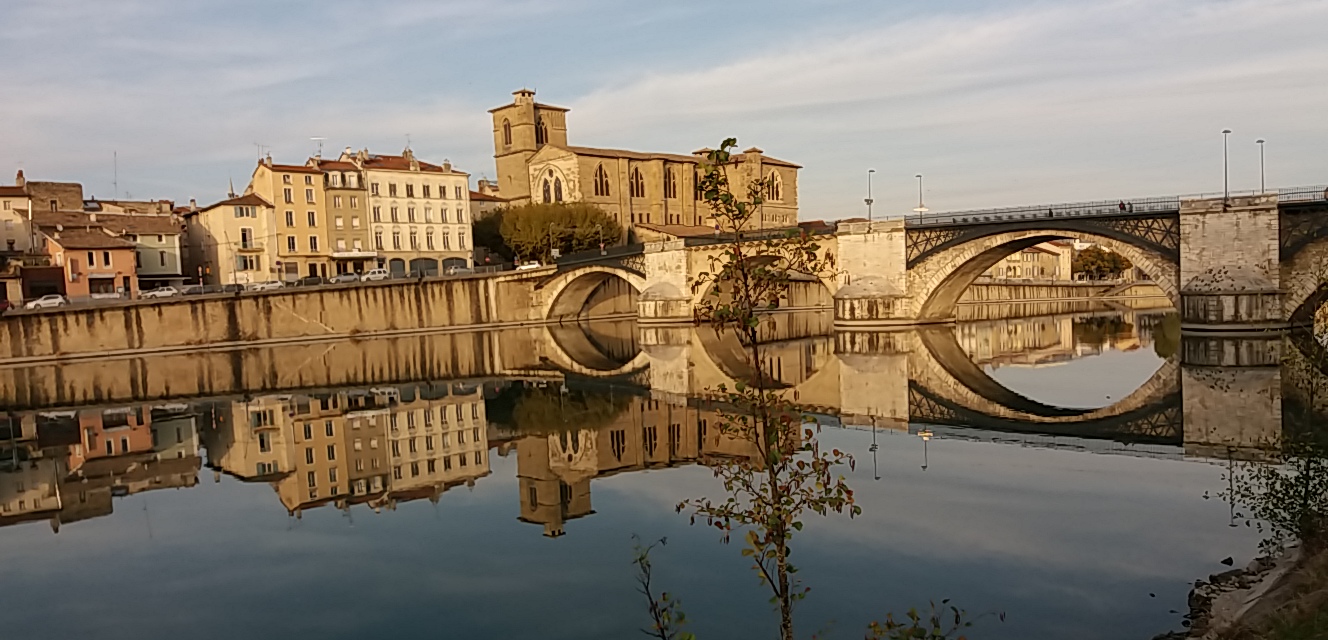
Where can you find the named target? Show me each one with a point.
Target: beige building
(15, 225)
(346, 201)
(535, 163)
(1045, 261)
(419, 213)
(300, 240)
(158, 243)
(232, 241)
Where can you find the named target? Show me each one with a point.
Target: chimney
(447, 165)
(268, 160)
(92, 217)
(19, 179)
(193, 204)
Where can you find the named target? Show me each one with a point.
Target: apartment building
(1044, 261)
(297, 196)
(438, 437)
(95, 262)
(347, 205)
(419, 213)
(231, 242)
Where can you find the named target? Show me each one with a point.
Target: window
(313, 218)
(618, 443)
(447, 466)
(475, 410)
(161, 256)
(264, 442)
(392, 189)
(479, 458)
(459, 194)
(359, 246)
(557, 189)
(461, 436)
(246, 263)
(774, 187)
(355, 222)
(308, 179)
(461, 459)
(670, 183)
(410, 191)
(377, 213)
(425, 190)
(290, 218)
(428, 443)
(601, 181)
(414, 448)
(396, 473)
(160, 238)
(410, 214)
(328, 429)
(355, 202)
(428, 214)
(336, 201)
(331, 452)
(442, 214)
(92, 259)
(541, 131)
(548, 197)
(475, 434)
(447, 241)
(290, 244)
(461, 240)
(428, 417)
(341, 244)
(338, 222)
(507, 133)
(432, 467)
(442, 191)
(373, 188)
(242, 211)
(428, 244)
(309, 455)
(332, 474)
(334, 179)
(286, 195)
(414, 239)
(313, 479)
(396, 240)
(378, 240)
(394, 213)
(106, 258)
(637, 184)
(285, 178)
(396, 448)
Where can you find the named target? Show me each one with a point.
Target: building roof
(66, 218)
(668, 157)
(145, 225)
(11, 191)
(88, 238)
(476, 196)
(251, 199)
(290, 168)
(334, 165)
(401, 163)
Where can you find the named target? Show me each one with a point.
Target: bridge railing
(597, 255)
(1134, 206)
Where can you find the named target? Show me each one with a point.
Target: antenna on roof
(319, 140)
(407, 140)
(115, 175)
(260, 147)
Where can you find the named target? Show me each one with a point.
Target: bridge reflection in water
(385, 421)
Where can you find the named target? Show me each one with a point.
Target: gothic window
(601, 181)
(547, 197)
(774, 187)
(507, 133)
(541, 131)
(670, 183)
(557, 189)
(638, 185)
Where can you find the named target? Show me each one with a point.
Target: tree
(1097, 263)
(488, 234)
(531, 230)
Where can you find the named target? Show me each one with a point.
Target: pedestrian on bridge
(1122, 206)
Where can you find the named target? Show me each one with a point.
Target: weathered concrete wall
(364, 310)
(1214, 237)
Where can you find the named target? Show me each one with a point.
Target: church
(536, 164)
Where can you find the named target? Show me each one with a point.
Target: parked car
(528, 266)
(230, 288)
(49, 301)
(160, 292)
(310, 281)
(459, 271)
(375, 274)
(270, 285)
(345, 278)
(193, 290)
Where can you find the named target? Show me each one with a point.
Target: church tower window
(638, 185)
(670, 183)
(601, 181)
(547, 197)
(541, 131)
(507, 133)
(774, 187)
(557, 189)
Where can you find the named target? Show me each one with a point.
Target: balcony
(249, 245)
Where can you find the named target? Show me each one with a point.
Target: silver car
(47, 302)
(270, 285)
(344, 278)
(160, 292)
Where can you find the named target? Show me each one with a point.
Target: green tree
(531, 230)
(1097, 263)
(488, 234)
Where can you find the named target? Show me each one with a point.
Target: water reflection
(552, 425)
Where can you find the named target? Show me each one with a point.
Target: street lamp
(921, 208)
(926, 435)
(1226, 174)
(868, 199)
(1260, 142)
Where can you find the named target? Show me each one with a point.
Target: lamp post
(926, 435)
(1226, 174)
(1260, 142)
(921, 208)
(868, 199)
(600, 230)
(552, 257)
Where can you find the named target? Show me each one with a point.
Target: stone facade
(419, 213)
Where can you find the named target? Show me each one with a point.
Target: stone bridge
(1245, 262)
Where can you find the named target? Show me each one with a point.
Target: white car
(160, 292)
(345, 278)
(375, 274)
(528, 266)
(47, 302)
(270, 285)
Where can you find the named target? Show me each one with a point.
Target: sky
(995, 103)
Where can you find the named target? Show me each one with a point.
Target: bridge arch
(572, 293)
(806, 291)
(937, 281)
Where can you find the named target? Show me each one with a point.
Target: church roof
(668, 157)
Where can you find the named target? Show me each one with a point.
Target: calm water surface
(347, 513)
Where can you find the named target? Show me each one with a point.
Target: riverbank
(1281, 598)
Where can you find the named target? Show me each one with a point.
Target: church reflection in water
(383, 422)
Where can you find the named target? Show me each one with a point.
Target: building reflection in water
(577, 404)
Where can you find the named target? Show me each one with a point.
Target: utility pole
(1226, 174)
(1262, 188)
(869, 199)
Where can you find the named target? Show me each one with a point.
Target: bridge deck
(1133, 207)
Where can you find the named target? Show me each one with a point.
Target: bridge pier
(1231, 390)
(666, 298)
(1229, 265)
(873, 291)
